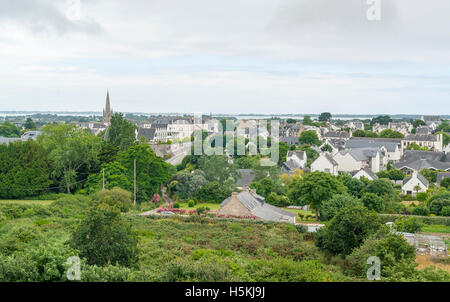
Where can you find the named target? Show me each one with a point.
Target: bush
(70, 205)
(422, 196)
(176, 205)
(301, 228)
(332, 206)
(409, 225)
(191, 203)
(373, 202)
(445, 211)
(347, 230)
(390, 248)
(105, 237)
(421, 210)
(116, 197)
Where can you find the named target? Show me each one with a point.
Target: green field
(28, 202)
(303, 212)
(434, 228)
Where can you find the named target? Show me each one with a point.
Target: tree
(214, 192)
(359, 133)
(71, 150)
(307, 120)
(324, 117)
(310, 138)
(418, 123)
(108, 153)
(333, 205)
(438, 202)
(348, 229)
(315, 188)
(121, 132)
(381, 119)
(24, 170)
(30, 124)
(388, 247)
(291, 121)
(277, 200)
(430, 175)
(8, 129)
(104, 237)
(373, 202)
(115, 176)
(151, 171)
(116, 197)
(355, 186)
(216, 167)
(381, 187)
(389, 133)
(445, 183)
(188, 183)
(266, 185)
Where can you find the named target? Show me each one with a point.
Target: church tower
(107, 112)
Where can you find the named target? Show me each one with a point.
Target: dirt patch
(427, 260)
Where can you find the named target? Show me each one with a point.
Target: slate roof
(290, 140)
(259, 208)
(26, 136)
(423, 130)
(421, 137)
(419, 160)
(246, 178)
(298, 153)
(441, 176)
(149, 133)
(431, 118)
(370, 173)
(361, 154)
(420, 177)
(354, 143)
(330, 159)
(340, 134)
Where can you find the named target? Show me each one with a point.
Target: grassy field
(27, 202)
(434, 228)
(303, 212)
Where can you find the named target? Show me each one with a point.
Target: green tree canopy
(121, 132)
(310, 138)
(315, 188)
(8, 129)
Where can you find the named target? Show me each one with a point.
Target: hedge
(430, 220)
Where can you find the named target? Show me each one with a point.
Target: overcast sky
(227, 56)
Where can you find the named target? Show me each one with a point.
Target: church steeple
(107, 112)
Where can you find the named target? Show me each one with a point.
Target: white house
(414, 184)
(294, 160)
(325, 163)
(367, 173)
(357, 159)
(434, 142)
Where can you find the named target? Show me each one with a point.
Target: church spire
(107, 112)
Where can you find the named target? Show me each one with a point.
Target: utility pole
(103, 179)
(135, 181)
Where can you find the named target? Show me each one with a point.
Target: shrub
(409, 225)
(347, 230)
(422, 196)
(390, 248)
(301, 228)
(70, 205)
(421, 210)
(105, 237)
(191, 203)
(445, 211)
(332, 206)
(116, 197)
(176, 205)
(373, 202)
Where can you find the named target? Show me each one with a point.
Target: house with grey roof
(441, 176)
(249, 204)
(414, 184)
(431, 120)
(295, 159)
(433, 142)
(325, 163)
(245, 179)
(413, 160)
(392, 146)
(290, 140)
(25, 136)
(355, 125)
(402, 127)
(424, 130)
(367, 173)
(343, 135)
(360, 158)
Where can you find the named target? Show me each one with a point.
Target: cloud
(46, 16)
